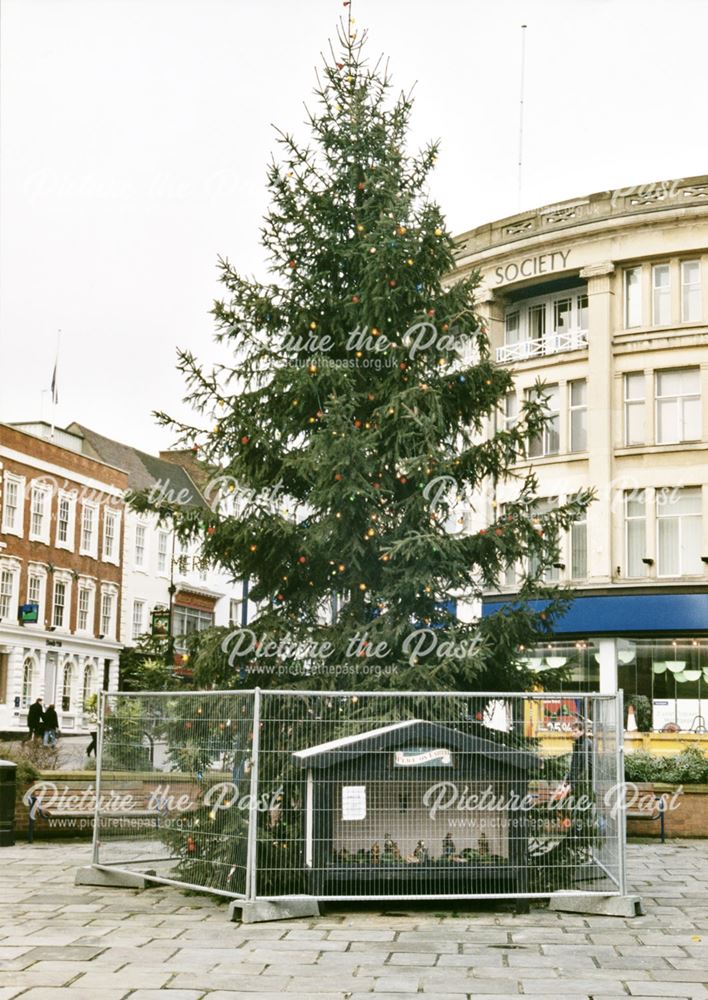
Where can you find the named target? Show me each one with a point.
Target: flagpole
(55, 392)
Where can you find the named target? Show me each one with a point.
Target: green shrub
(27, 772)
(690, 767)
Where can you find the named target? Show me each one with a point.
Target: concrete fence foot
(610, 906)
(107, 877)
(255, 911)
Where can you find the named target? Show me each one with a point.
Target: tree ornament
(357, 423)
(313, 325)
(355, 299)
(361, 185)
(292, 263)
(362, 586)
(245, 439)
(392, 282)
(438, 231)
(360, 228)
(312, 369)
(302, 560)
(253, 547)
(410, 262)
(372, 249)
(338, 476)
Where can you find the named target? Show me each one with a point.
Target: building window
(537, 322)
(234, 612)
(633, 297)
(511, 410)
(140, 533)
(89, 534)
(583, 316)
(162, 551)
(88, 685)
(65, 521)
(34, 592)
(562, 314)
(512, 328)
(39, 514)
(678, 521)
(27, 673)
(550, 573)
(13, 499)
(578, 415)
(635, 525)
(107, 605)
(189, 620)
(661, 295)
(110, 536)
(84, 609)
(634, 431)
(579, 548)
(690, 291)
(66, 687)
(7, 585)
(678, 406)
(59, 609)
(548, 442)
(138, 618)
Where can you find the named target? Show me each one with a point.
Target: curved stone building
(605, 298)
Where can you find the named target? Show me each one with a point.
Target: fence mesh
(360, 795)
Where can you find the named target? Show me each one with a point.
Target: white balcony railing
(551, 343)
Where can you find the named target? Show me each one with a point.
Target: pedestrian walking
(51, 726)
(35, 719)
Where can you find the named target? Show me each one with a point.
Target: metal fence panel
(361, 795)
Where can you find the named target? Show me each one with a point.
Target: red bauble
(245, 439)
(302, 559)
(357, 423)
(292, 263)
(355, 298)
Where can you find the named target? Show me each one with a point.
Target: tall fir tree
(357, 415)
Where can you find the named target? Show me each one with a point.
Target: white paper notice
(354, 802)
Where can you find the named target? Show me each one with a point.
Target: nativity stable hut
(415, 809)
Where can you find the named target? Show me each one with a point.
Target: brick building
(61, 545)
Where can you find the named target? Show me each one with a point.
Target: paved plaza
(58, 941)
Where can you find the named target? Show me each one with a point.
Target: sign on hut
(415, 807)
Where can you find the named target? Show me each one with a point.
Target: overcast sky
(135, 135)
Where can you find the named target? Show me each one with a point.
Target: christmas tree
(356, 418)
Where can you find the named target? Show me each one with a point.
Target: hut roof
(413, 733)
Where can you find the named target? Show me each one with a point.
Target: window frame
(163, 570)
(574, 408)
(44, 491)
(68, 543)
(111, 517)
(142, 528)
(8, 589)
(663, 292)
(679, 519)
(550, 428)
(680, 399)
(635, 519)
(634, 402)
(91, 550)
(65, 623)
(18, 482)
(141, 604)
(685, 285)
(632, 306)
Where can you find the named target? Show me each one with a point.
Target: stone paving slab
(60, 942)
